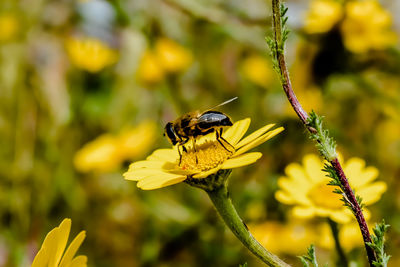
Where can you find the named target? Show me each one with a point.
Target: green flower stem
(342, 259)
(222, 202)
(216, 187)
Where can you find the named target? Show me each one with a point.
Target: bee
(194, 124)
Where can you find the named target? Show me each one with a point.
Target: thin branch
(278, 52)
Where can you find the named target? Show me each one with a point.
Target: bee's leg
(219, 141)
(195, 150)
(180, 155)
(220, 135)
(219, 138)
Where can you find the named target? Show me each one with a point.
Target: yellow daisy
(150, 70)
(306, 188)
(90, 54)
(367, 26)
(163, 167)
(52, 251)
(107, 152)
(171, 56)
(322, 16)
(258, 70)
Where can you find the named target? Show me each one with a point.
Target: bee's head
(170, 133)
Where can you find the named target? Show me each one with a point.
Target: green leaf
(378, 244)
(309, 258)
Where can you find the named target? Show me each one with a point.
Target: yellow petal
(242, 160)
(149, 164)
(342, 217)
(42, 258)
(234, 133)
(161, 180)
(296, 173)
(207, 173)
(254, 135)
(372, 193)
(165, 154)
(140, 174)
(366, 176)
(313, 168)
(62, 239)
(353, 169)
(298, 192)
(303, 212)
(48, 249)
(72, 249)
(284, 197)
(258, 141)
(80, 261)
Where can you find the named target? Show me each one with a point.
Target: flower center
(205, 156)
(323, 197)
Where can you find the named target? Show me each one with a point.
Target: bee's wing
(213, 118)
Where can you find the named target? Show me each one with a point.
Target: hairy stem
(302, 114)
(220, 198)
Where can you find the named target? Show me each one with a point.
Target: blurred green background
(86, 87)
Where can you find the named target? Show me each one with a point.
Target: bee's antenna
(226, 102)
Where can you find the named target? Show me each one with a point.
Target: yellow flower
(8, 27)
(299, 234)
(322, 16)
(162, 167)
(306, 188)
(258, 70)
(107, 152)
(134, 142)
(349, 235)
(90, 54)
(150, 70)
(100, 155)
(291, 238)
(171, 56)
(53, 247)
(366, 27)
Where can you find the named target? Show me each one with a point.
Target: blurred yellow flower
(258, 70)
(100, 155)
(167, 57)
(107, 152)
(150, 70)
(349, 236)
(306, 188)
(367, 27)
(172, 56)
(322, 16)
(52, 251)
(8, 27)
(163, 167)
(134, 142)
(90, 54)
(299, 234)
(291, 238)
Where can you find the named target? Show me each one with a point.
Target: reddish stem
(302, 114)
(362, 223)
